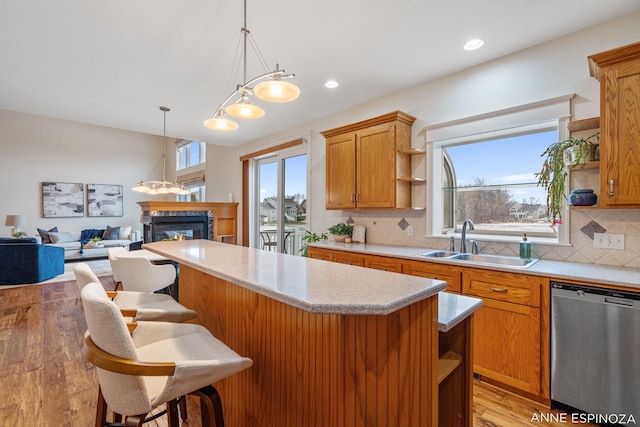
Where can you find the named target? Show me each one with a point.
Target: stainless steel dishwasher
(595, 350)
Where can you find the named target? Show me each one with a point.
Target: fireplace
(177, 225)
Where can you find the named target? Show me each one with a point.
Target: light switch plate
(608, 241)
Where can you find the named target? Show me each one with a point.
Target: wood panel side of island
(315, 369)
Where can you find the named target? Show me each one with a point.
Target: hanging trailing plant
(559, 157)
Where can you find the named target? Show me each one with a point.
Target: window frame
(503, 123)
(185, 143)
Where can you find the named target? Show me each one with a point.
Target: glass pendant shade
(220, 123)
(243, 109)
(276, 90)
(141, 188)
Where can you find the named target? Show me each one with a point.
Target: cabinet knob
(611, 187)
(353, 198)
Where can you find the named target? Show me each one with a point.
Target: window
(190, 169)
(493, 183)
(189, 153)
(484, 168)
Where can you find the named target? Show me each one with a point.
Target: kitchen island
(332, 344)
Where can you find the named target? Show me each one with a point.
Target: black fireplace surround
(180, 225)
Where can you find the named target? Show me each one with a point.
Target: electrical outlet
(608, 241)
(410, 230)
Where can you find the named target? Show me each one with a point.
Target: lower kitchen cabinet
(508, 331)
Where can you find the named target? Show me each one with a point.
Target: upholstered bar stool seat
(138, 305)
(156, 362)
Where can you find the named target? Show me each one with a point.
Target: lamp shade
(243, 109)
(220, 123)
(276, 90)
(16, 221)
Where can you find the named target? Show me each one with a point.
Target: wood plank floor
(44, 380)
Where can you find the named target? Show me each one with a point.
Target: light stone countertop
(559, 270)
(309, 284)
(452, 309)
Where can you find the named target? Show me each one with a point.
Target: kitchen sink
(487, 259)
(438, 254)
(510, 261)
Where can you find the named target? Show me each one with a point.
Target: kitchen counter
(563, 270)
(332, 344)
(308, 284)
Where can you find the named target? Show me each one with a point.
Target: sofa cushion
(111, 233)
(124, 232)
(61, 237)
(45, 234)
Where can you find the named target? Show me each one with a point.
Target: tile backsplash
(390, 227)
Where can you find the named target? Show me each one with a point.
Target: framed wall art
(62, 199)
(104, 200)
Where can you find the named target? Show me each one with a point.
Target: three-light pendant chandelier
(271, 89)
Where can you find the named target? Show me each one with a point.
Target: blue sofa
(25, 261)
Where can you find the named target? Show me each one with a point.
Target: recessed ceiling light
(474, 44)
(331, 84)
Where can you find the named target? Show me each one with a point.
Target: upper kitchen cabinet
(618, 71)
(368, 163)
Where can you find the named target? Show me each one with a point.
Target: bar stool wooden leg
(172, 413)
(210, 406)
(101, 410)
(182, 404)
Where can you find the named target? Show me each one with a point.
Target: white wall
(548, 70)
(36, 149)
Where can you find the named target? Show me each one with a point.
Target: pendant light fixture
(164, 186)
(271, 89)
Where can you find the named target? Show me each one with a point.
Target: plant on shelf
(559, 158)
(310, 237)
(340, 231)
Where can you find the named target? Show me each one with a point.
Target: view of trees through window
(496, 184)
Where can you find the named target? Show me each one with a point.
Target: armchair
(24, 261)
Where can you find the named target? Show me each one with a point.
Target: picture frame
(104, 200)
(62, 199)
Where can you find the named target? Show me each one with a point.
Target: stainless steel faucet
(463, 243)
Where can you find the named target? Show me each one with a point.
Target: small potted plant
(341, 231)
(94, 242)
(559, 158)
(310, 237)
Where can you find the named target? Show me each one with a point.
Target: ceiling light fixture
(331, 84)
(272, 90)
(164, 186)
(474, 44)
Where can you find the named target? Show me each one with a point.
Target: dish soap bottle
(525, 247)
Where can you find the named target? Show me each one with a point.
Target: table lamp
(16, 221)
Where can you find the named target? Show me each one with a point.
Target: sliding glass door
(280, 200)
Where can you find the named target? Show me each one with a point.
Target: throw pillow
(61, 237)
(111, 233)
(45, 234)
(124, 233)
(90, 233)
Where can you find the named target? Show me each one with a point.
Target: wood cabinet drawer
(448, 273)
(383, 263)
(509, 287)
(317, 253)
(348, 258)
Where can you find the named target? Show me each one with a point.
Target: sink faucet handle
(452, 244)
(474, 247)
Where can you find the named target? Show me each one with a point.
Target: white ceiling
(113, 63)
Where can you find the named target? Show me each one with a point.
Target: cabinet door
(376, 167)
(620, 127)
(348, 258)
(506, 345)
(449, 274)
(341, 172)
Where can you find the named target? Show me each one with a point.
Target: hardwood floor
(44, 380)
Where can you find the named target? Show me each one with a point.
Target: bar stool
(138, 305)
(141, 366)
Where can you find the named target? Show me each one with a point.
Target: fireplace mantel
(225, 215)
